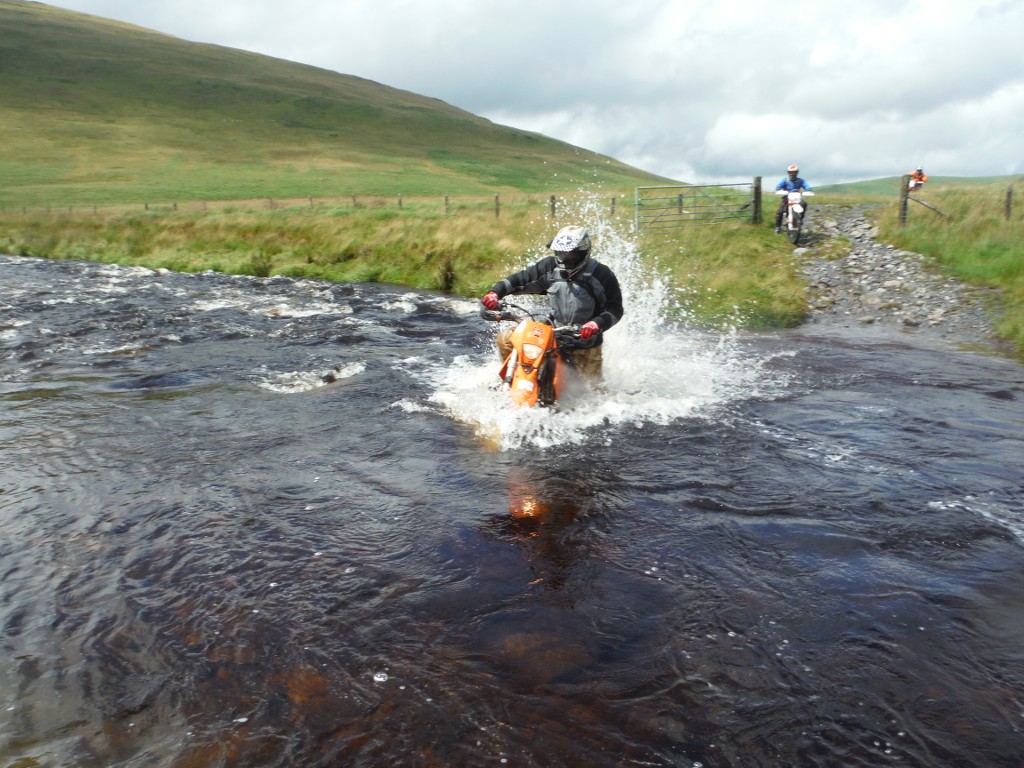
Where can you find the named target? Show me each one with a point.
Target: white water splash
(304, 381)
(991, 509)
(656, 370)
(307, 306)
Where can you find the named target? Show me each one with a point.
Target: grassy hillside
(98, 112)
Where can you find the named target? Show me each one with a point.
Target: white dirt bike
(793, 219)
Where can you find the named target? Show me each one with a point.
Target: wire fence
(446, 204)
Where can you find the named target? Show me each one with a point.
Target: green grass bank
(971, 238)
(725, 274)
(732, 273)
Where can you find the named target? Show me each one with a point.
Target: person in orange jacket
(917, 178)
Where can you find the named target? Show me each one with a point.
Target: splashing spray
(656, 369)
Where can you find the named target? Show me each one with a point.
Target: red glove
(589, 329)
(490, 300)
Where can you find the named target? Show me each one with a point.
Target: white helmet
(571, 239)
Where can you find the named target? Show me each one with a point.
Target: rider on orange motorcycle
(580, 291)
(789, 183)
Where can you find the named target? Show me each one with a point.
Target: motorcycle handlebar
(496, 316)
(506, 311)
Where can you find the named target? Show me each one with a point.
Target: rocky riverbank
(874, 284)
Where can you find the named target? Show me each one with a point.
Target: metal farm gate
(674, 206)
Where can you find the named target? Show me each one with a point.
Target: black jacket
(594, 286)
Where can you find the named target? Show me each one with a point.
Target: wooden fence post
(399, 201)
(1009, 202)
(613, 205)
(497, 207)
(904, 192)
(755, 216)
(552, 206)
(447, 206)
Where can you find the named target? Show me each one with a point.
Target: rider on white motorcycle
(580, 292)
(789, 183)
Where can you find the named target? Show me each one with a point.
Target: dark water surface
(257, 522)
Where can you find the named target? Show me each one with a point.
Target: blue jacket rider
(580, 291)
(789, 183)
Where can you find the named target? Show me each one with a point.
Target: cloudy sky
(695, 90)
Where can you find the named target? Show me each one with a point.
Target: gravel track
(873, 284)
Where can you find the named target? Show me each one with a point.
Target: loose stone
(878, 284)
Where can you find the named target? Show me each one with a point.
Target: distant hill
(96, 111)
(891, 184)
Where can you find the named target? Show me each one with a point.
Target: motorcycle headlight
(531, 351)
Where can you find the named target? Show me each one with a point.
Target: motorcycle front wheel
(793, 230)
(546, 382)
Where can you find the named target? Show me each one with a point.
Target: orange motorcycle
(535, 370)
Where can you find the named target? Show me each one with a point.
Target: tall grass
(971, 240)
(731, 273)
(421, 244)
(728, 275)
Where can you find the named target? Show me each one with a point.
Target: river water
(273, 522)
